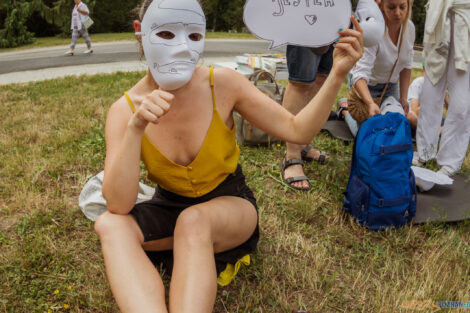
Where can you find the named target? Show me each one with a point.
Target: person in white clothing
(370, 75)
(447, 57)
(79, 13)
(414, 96)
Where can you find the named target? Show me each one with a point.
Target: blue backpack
(381, 190)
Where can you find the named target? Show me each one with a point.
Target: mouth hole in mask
(166, 35)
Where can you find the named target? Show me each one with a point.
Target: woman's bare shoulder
(124, 104)
(119, 112)
(226, 74)
(121, 105)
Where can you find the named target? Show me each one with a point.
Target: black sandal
(290, 180)
(341, 108)
(321, 159)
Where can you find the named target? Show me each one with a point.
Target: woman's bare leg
(215, 226)
(134, 280)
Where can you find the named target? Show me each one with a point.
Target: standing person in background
(308, 69)
(447, 57)
(80, 11)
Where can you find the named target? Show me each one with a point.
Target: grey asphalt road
(121, 51)
(23, 66)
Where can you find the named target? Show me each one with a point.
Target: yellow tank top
(217, 158)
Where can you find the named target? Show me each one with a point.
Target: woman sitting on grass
(178, 118)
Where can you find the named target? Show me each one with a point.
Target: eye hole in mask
(166, 35)
(195, 37)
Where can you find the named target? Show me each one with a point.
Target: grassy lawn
(310, 256)
(56, 41)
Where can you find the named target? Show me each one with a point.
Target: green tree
(114, 16)
(14, 32)
(224, 15)
(59, 13)
(419, 18)
(18, 12)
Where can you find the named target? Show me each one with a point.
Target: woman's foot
(69, 53)
(88, 51)
(309, 154)
(293, 175)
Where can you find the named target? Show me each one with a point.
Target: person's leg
(429, 118)
(87, 40)
(303, 85)
(134, 280)
(297, 95)
(352, 124)
(456, 132)
(218, 225)
(75, 35)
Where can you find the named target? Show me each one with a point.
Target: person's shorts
(303, 64)
(157, 219)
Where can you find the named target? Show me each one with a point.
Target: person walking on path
(79, 13)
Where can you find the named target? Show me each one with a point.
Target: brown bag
(356, 106)
(247, 134)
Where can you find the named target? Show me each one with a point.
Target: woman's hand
(151, 108)
(348, 49)
(373, 109)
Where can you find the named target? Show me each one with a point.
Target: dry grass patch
(311, 255)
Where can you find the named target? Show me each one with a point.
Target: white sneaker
(70, 52)
(88, 51)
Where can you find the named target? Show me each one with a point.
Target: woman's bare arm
(124, 132)
(121, 170)
(274, 119)
(364, 93)
(405, 76)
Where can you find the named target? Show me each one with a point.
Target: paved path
(109, 57)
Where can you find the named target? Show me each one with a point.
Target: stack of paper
(273, 63)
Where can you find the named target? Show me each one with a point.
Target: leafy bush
(15, 32)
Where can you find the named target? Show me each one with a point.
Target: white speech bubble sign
(309, 23)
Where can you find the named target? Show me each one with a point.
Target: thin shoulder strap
(129, 101)
(394, 65)
(211, 70)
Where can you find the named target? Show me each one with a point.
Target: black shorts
(157, 219)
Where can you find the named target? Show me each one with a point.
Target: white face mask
(371, 20)
(173, 34)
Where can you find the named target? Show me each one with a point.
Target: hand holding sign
(348, 49)
(310, 23)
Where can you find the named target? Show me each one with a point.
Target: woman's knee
(109, 225)
(193, 225)
(103, 224)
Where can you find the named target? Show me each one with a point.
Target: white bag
(92, 202)
(87, 22)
